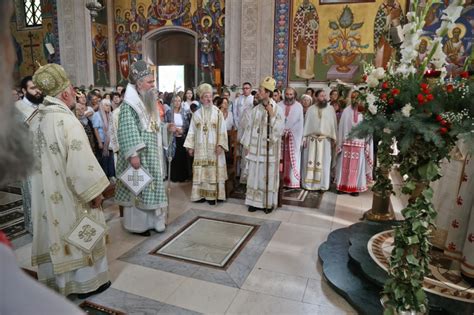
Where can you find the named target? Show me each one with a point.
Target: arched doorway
(173, 46)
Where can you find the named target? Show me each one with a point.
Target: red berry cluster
(425, 96)
(449, 88)
(444, 124)
(464, 74)
(389, 97)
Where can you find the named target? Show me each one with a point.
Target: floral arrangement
(426, 114)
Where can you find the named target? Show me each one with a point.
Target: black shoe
(252, 209)
(354, 194)
(340, 192)
(211, 202)
(146, 233)
(101, 289)
(267, 211)
(201, 200)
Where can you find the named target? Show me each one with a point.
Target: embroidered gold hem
(71, 265)
(95, 190)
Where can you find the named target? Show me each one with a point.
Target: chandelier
(94, 6)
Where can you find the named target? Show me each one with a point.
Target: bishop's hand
(135, 162)
(269, 109)
(97, 202)
(191, 152)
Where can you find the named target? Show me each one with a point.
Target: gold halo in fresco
(427, 39)
(135, 24)
(461, 26)
(120, 25)
(221, 20)
(208, 18)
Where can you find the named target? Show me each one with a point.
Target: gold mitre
(268, 83)
(51, 79)
(204, 88)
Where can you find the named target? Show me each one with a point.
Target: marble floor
(276, 272)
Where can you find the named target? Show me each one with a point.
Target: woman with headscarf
(101, 121)
(306, 101)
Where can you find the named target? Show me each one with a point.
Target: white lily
(372, 81)
(379, 73)
(406, 110)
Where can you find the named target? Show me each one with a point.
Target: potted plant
(426, 115)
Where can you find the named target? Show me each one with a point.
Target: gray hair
(16, 154)
(150, 98)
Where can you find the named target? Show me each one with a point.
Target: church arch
(174, 36)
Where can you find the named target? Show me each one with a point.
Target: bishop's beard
(149, 99)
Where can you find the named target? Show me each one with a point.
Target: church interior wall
(133, 19)
(37, 37)
(317, 41)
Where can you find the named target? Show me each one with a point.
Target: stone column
(266, 18)
(249, 41)
(112, 59)
(75, 41)
(233, 21)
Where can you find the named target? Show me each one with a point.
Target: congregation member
(113, 129)
(354, 156)
(83, 114)
(306, 102)
(119, 89)
(179, 173)
(94, 100)
(262, 141)
(292, 137)
(116, 100)
(67, 182)
(277, 96)
(310, 92)
(243, 102)
(206, 142)
(27, 107)
(336, 104)
(101, 122)
(188, 99)
(140, 137)
(223, 105)
(319, 137)
(226, 94)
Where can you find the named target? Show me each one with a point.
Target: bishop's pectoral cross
(135, 178)
(31, 46)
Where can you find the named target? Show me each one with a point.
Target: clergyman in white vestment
(67, 183)
(319, 136)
